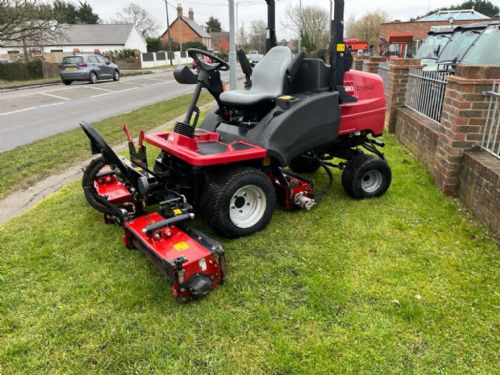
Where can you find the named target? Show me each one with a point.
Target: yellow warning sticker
(177, 211)
(286, 97)
(340, 47)
(180, 246)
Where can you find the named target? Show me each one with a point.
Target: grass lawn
(21, 167)
(400, 284)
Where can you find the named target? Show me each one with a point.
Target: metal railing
(383, 72)
(491, 135)
(425, 92)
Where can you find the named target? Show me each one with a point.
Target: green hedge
(21, 71)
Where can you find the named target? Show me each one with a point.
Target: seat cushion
(268, 80)
(244, 98)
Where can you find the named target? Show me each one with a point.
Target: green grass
(312, 294)
(21, 167)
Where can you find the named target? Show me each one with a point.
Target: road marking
(54, 96)
(50, 105)
(132, 83)
(113, 92)
(95, 88)
(19, 110)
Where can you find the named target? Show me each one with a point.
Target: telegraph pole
(168, 35)
(232, 47)
(300, 25)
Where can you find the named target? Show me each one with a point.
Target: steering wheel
(218, 64)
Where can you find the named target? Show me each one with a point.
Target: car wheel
(116, 75)
(239, 202)
(366, 176)
(67, 82)
(92, 77)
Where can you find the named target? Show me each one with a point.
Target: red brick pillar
(396, 89)
(462, 121)
(371, 65)
(357, 63)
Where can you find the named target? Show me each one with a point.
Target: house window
(56, 50)
(13, 52)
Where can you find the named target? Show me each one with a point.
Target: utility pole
(232, 47)
(300, 25)
(168, 35)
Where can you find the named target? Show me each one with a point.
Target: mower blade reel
(193, 263)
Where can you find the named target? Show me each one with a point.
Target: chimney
(179, 10)
(191, 14)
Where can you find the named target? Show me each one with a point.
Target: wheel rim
(247, 206)
(93, 77)
(117, 76)
(371, 181)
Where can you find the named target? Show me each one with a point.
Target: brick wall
(418, 134)
(181, 32)
(479, 186)
(418, 29)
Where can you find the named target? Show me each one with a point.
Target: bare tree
(311, 24)
(28, 23)
(367, 27)
(257, 36)
(143, 20)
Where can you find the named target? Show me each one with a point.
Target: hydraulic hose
(93, 198)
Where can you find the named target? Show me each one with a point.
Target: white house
(88, 38)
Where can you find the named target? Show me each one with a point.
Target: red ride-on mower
(295, 116)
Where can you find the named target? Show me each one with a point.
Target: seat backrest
(269, 75)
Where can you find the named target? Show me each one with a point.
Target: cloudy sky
(250, 10)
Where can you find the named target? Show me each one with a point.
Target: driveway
(32, 114)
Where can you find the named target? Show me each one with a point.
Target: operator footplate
(193, 263)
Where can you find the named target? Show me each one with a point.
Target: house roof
(193, 25)
(100, 34)
(219, 35)
(458, 15)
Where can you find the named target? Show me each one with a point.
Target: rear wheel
(239, 202)
(92, 77)
(67, 82)
(116, 75)
(366, 176)
(304, 164)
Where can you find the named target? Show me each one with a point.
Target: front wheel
(239, 202)
(92, 77)
(366, 176)
(67, 83)
(116, 76)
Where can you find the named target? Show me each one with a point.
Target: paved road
(32, 114)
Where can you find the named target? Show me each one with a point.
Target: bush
(124, 53)
(21, 71)
(154, 44)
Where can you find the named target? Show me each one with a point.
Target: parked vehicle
(462, 39)
(254, 57)
(398, 46)
(486, 49)
(87, 68)
(433, 45)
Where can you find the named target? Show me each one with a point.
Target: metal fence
(425, 92)
(491, 136)
(383, 72)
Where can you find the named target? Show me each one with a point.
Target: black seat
(268, 80)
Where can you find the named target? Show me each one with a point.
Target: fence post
(463, 120)
(396, 88)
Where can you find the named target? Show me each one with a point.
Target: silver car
(87, 68)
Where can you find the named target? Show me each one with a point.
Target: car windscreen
(459, 44)
(486, 49)
(432, 46)
(73, 60)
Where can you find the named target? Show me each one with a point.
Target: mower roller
(295, 116)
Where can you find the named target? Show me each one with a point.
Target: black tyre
(304, 164)
(93, 77)
(239, 202)
(67, 82)
(366, 176)
(116, 76)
